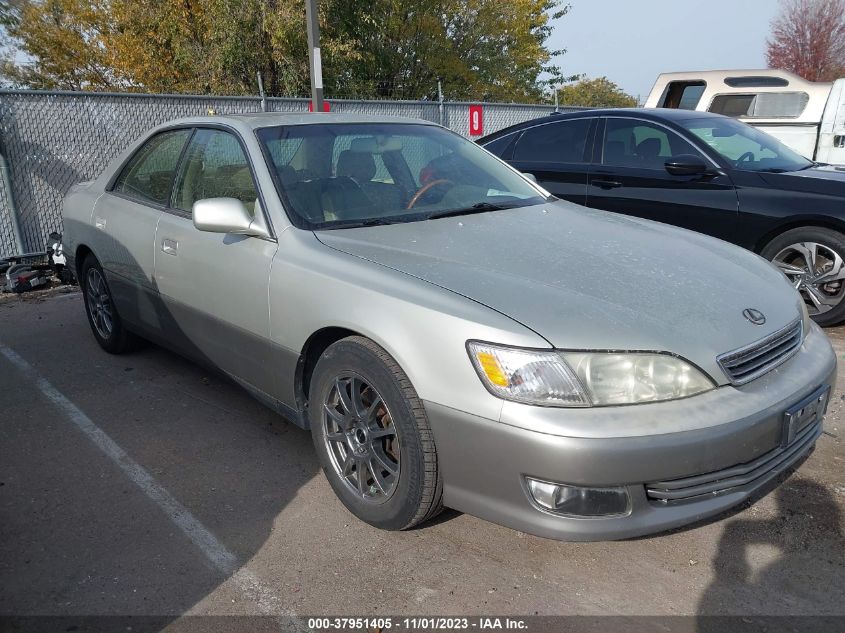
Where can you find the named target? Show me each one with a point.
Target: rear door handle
(606, 184)
(169, 246)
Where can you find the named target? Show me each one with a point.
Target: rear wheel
(102, 314)
(372, 436)
(813, 259)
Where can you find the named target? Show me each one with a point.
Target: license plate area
(805, 413)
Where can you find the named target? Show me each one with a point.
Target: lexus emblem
(754, 316)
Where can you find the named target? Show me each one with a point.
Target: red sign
(476, 120)
(327, 107)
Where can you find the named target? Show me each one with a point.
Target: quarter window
(215, 166)
(629, 143)
(149, 174)
(560, 142)
(683, 95)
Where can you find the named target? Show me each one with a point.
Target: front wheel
(813, 259)
(372, 436)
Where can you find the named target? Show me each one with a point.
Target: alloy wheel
(361, 439)
(99, 303)
(817, 272)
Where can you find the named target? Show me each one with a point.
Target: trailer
(807, 116)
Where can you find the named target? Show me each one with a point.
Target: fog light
(575, 501)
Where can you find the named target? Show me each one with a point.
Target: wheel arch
(318, 343)
(82, 251)
(800, 222)
(311, 351)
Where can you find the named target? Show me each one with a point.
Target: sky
(633, 41)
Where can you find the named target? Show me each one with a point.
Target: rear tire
(103, 318)
(372, 436)
(813, 259)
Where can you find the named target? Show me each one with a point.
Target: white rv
(808, 117)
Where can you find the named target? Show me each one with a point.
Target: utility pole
(440, 101)
(312, 17)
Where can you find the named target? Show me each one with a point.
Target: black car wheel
(102, 314)
(813, 259)
(372, 436)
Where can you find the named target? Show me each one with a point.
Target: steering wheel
(425, 188)
(747, 157)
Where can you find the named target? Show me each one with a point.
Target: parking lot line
(220, 557)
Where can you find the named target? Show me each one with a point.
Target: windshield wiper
(772, 170)
(354, 224)
(481, 207)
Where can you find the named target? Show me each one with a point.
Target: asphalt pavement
(146, 485)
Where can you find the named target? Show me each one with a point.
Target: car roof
(256, 120)
(652, 114)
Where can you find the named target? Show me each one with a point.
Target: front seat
(648, 151)
(361, 167)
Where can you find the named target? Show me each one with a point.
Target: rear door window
(149, 174)
(559, 142)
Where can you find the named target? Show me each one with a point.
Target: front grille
(724, 480)
(746, 364)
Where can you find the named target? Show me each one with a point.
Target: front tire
(103, 318)
(372, 436)
(813, 259)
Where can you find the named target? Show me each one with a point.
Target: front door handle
(606, 184)
(169, 246)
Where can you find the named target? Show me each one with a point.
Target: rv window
(756, 82)
(763, 105)
(683, 95)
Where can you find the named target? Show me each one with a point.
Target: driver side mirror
(686, 165)
(225, 215)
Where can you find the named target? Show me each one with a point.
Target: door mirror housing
(530, 176)
(686, 165)
(225, 215)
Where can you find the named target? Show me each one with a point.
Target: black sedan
(701, 171)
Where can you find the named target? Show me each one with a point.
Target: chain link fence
(52, 140)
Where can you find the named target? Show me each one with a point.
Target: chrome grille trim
(747, 363)
(722, 481)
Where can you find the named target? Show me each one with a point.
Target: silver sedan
(450, 333)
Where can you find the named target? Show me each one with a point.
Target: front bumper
(484, 462)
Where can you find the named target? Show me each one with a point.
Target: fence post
(13, 210)
(261, 92)
(440, 100)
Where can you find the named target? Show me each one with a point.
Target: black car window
(215, 167)
(499, 145)
(149, 174)
(631, 143)
(559, 142)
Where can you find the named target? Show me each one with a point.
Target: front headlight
(583, 379)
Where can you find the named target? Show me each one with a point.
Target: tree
(597, 93)
(808, 39)
(480, 49)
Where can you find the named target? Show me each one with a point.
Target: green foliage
(480, 49)
(599, 93)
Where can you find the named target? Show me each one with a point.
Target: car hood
(824, 179)
(588, 279)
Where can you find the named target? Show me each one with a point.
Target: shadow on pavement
(807, 535)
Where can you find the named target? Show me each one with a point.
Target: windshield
(745, 147)
(340, 175)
